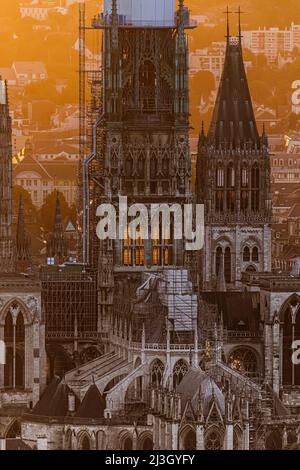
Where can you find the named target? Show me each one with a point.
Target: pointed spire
(58, 227)
(114, 23)
(233, 104)
(114, 11)
(202, 137)
(181, 20)
(227, 25)
(264, 137)
(57, 247)
(22, 240)
(240, 25)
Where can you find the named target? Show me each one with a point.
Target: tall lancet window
(219, 254)
(230, 188)
(244, 188)
(220, 184)
(255, 186)
(14, 337)
(227, 265)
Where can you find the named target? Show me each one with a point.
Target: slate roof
(233, 119)
(196, 383)
(54, 401)
(93, 404)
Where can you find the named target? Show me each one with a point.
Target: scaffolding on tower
(90, 108)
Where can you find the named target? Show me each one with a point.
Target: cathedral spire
(22, 240)
(233, 124)
(57, 246)
(202, 137)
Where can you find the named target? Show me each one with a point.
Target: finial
(114, 8)
(202, 136)
(240, 25)
(228, 25)
(264, 137)
(6, 94)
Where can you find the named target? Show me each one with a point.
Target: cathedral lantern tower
(141, 138)
(233, 181)
(143, 133)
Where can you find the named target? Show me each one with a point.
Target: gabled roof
(23, 67)
(233, 119)
(30, 164)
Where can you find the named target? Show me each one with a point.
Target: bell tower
(233, 181)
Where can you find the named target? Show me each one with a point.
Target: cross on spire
(239, 13)
(227, 13)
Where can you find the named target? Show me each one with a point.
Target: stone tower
(233, 181)
(142, 149)
(6, 241)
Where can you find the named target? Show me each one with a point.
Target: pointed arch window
(153, 167)
(141, 165)
(255, 255)
(244, 176)
(246, 254)
(14, 338)
(227, 265)
(179, 371)
(245, 361)
(129, 166)
(213, 440)
(219, 254)
(220, 180)
(230, 188)
(166, 166)
(157, 373)
(230, 176)
(255, 186)
(220, 185)
(244, 188)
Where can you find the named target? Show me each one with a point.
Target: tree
(47, 211)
